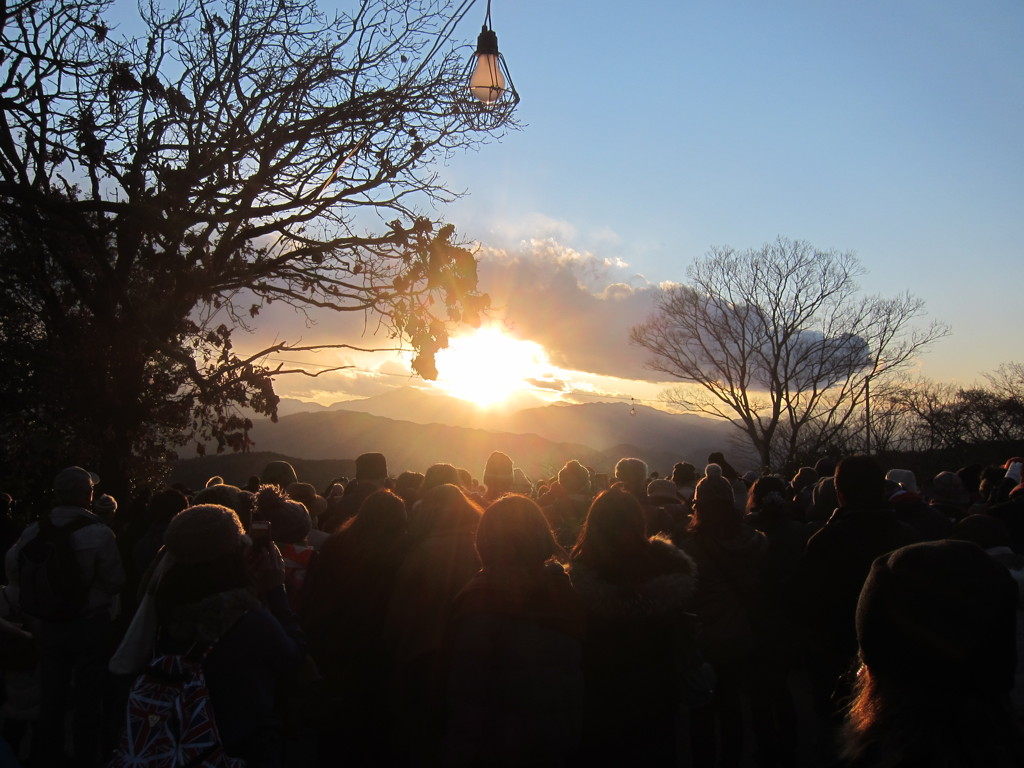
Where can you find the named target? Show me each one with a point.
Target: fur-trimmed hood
(668, 592)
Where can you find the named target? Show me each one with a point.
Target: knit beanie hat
(713, 488)
(940, 614)
(371, 466)
(222, 494)
(573, 477)
(498, 469)
(105, 505)
(279, 473)
(203, 533)
(289, 520)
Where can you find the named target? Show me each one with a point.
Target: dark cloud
(555, 385)
(579, 307)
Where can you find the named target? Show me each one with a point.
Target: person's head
(513, 533)
(104, 506)
(372, 468)
(382, 513)
(521, 484)
(823, 499)
(727, 469)
(164, 505)
(289, 520)
(444, 507)
(948, 488)
(74, 486)
(498, 474)
(439, 474)
(219, 493)
(860, 482)
(662, 491)
(613, 540)
(970, 476)
(991, 478)
(684, 474)
(574, 478)
(207, 544)
(905, 477)
(936, 628)
(279, 473)
(306, 494)
(768, 493)
(714, 506)
(804, 477)
(825, 466)
(632, 472)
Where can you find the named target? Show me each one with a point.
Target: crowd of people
(844, 617)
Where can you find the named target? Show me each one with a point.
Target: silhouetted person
(936, 631)
(832, 571)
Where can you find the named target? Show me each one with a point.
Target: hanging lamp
(488, 95)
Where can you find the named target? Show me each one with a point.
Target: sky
(655, 130)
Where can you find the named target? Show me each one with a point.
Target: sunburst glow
(489, 366)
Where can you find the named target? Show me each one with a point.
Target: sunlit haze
(489, 366)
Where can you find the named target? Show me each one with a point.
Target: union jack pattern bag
(169, 718)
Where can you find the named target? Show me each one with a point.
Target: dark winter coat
(515, 679)
(258, 646)
(728, 595)
(635, 635)
(832, 571)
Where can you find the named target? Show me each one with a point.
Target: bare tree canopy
(780, 341)
(157, 189)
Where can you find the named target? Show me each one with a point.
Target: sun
(489, 366)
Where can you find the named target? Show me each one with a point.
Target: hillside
(424, 429)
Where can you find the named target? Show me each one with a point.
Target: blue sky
(655, 130)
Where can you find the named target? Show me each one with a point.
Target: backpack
(169, 718)
(51, 584)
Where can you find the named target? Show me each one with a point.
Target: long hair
(614, 540)
(767, 501)
(444, 507)
(893, 724)
(513, 532)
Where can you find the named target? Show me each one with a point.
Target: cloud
(580, 307)
(555, 385)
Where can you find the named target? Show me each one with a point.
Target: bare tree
(780, 342)
(941, 416)
(157, 190)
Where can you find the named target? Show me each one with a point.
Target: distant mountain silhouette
(415, 429)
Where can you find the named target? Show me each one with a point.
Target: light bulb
(487, 83)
